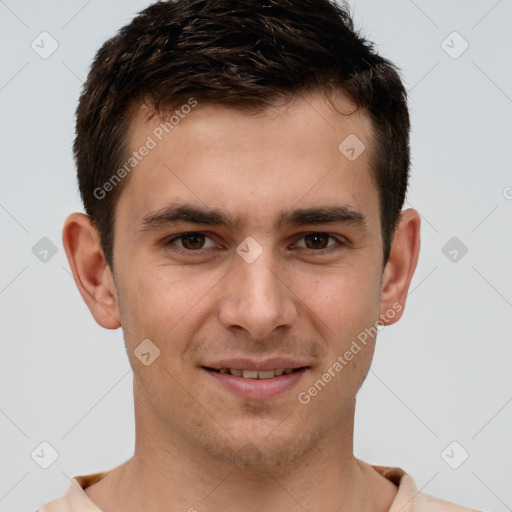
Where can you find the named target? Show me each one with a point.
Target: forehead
(253, 165)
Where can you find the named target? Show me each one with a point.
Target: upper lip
(250, 364)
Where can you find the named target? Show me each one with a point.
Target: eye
(196, 241)
(319, 241)
(193, 241)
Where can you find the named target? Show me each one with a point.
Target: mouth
(251, 381)
(255, 374)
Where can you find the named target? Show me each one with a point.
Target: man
(243, 166)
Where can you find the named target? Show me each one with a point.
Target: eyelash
(339, 243)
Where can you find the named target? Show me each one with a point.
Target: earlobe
(90, 270)
(400, 267)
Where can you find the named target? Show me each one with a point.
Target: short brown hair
(248, 54)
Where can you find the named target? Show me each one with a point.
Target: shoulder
(410, 499)
(75, 498)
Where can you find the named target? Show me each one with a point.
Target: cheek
(340, 302)
(343, 310)
(163, 304)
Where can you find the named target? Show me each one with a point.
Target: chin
(260, 451)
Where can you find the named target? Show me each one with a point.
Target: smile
(254, 374)
(250, 384)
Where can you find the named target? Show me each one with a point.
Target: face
(246, 244)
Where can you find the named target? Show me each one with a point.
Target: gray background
(442, 374)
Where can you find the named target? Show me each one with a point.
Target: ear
(90, 270)
(400, 267)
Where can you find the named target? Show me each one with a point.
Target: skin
(199, 445)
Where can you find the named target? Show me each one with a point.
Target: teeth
(254, 374)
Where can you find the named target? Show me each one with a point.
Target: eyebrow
(192, 214)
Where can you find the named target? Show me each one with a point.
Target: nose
(256, 298)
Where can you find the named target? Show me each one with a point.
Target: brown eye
(191, 241)
(317, 240)
(320, 244)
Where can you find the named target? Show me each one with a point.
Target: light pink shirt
(408, 499)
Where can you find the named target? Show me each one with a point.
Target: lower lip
(257, 389)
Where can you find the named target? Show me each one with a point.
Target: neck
(167, 472)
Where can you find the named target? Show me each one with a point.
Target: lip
(257, 389)
(250, 364)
